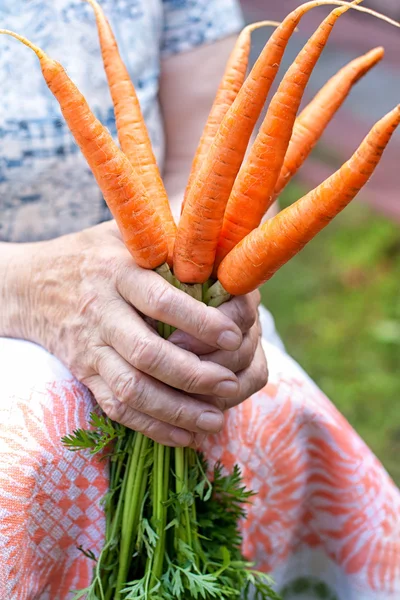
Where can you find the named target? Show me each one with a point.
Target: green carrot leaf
(87, 553)
(97, 439)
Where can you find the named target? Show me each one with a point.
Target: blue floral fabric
(46, 188)
(190, 23)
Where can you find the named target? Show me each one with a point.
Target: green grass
(337, 308)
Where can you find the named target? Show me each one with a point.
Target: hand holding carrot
(145, 235)
(92, 320)
(88, 299)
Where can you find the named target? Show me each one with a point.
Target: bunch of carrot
(159, 542)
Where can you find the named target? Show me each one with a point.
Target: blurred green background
(337, 308)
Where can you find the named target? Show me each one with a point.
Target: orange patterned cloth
(325, 522)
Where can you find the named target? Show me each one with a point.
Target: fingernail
(229, 340)
(181, 437)
(210, 421)
(227, 389)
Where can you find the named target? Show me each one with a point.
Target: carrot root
(228, 89)
(255, 183)
(201, 221)
(132, 131)
(313, 120)
(266, 249)
(141, 227)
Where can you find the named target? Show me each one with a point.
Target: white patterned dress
(326, 521)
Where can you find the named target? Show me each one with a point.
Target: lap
(49, 496)
(325, 519)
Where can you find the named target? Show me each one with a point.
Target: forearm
(14, 287)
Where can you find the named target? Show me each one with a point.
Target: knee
(37, 392)
(28, 366)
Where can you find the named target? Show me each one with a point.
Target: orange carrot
(228, 89)
(255, 183)
(132, 132)
(140, 225)
(201, 220)
(263, 251)
(312, 121)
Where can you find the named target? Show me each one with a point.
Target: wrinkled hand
(85, 301)
(248, 361)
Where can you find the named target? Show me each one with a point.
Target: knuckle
(177, 416)
(98, 259)
(124, 387)
(203, 325)
(147, 354)
(249, 317)
(116, 411)
(97, 357)
(112, 327)
(139, 395)
(246, 313)
(78, 368)
(151, 429)
(80, 365)
(160, 296)
(88, 304)
(192, 379)
(262, 375)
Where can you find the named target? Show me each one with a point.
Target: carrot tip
(253, 26)
(352, 5)
(379, 51)
(38, 51)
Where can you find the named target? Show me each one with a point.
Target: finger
(243, 310)
(159, 300)
(188, 342)
(146, 395)
(231, 360)
(251, 380)
(242, 358)
(145, 350)
(122, 413)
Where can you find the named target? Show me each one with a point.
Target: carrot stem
(132, 506)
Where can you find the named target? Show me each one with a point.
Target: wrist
(16, 305)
